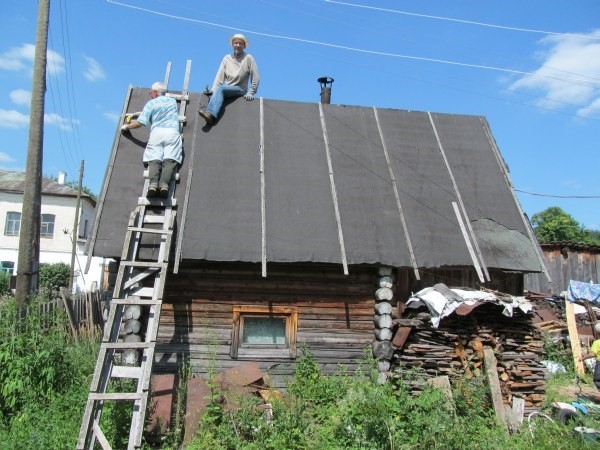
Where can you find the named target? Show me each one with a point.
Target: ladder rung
(150, 230)
(152, 264)
(127, 345)
(134, 301)
(157, 201)
(126, 372)
(178, 97)
(116, 396)
(154, 219)
(147, 292)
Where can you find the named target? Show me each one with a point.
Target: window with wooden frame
(47, 229)
(263, 331)
(13, 223)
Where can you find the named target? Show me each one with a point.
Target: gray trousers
(160, 173)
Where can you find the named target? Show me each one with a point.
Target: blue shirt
(160, 112)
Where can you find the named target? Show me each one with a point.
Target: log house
(305, 225)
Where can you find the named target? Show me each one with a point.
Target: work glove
(124, 129)
(249, 96)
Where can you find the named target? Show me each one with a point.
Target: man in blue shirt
(164, 148)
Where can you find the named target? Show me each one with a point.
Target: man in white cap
(164, 148)
(232, 78)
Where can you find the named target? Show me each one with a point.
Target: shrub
(54, 276)
(4, 283)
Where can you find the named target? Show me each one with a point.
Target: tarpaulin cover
(578, 290)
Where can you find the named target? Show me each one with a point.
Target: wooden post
(574, 337)
(492, 377)
(68, 308)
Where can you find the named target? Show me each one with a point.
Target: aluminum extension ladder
(139, 291)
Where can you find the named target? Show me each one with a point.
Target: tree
(553, 224)
(594, 237)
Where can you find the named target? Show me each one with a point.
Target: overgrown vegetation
(45, 376)
(341, 411)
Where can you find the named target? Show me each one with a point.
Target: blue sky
(531, 68)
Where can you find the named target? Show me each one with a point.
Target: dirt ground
(573, 389)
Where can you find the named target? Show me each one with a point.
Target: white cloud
(5, 158)
(568, 74)
(16, 57)
(55, 63)
(13, 119)
(593, 109)
(59, 121)
(20, 59)
(93, 71)
(111, 116)
(20, 97)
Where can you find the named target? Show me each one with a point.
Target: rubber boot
(154, 172)
(168, 170)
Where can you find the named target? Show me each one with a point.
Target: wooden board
(574, 337)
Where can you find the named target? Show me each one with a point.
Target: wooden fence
(85, 310)
(565, 261)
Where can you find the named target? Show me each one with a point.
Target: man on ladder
(163, 152)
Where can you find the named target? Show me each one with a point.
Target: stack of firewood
(456, 348)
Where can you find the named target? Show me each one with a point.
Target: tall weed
(44, 378)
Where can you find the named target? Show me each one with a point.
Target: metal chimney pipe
(325, 83)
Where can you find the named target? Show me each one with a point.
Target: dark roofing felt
(14, 182)
(283, 181)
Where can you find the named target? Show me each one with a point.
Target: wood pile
(129, 331)
(552, 308)
(456, 349)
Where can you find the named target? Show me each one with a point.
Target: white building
(58, 208)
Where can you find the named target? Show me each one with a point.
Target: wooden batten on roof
(282, 182)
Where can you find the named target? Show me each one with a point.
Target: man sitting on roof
(232, 78)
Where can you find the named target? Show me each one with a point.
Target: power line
(470, 22)
(355, 49)
(558, 196)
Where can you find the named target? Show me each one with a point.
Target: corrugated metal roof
(371, 186)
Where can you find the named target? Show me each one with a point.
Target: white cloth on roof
(441, 301)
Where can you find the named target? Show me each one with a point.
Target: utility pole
(29, 240)
(75, 229)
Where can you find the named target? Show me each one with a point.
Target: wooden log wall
(335, 315)
(456, 348)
